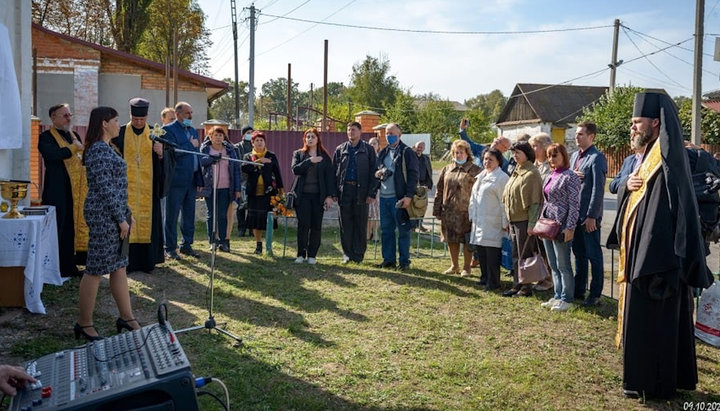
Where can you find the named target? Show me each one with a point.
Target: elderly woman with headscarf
(452, 199)
(522, 198)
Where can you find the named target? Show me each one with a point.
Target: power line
(648, 77)
(355, 26)
(306, 30)
(674, 56)
(648, 59)
(302, 4)
(666, 42)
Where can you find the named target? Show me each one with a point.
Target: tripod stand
(209, 323)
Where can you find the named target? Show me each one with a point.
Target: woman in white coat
(487, 214)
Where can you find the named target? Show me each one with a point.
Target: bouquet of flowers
(278, 203)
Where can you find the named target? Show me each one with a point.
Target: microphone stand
(210, 323)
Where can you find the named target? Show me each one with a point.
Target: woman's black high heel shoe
(79, 330)
(121, 324)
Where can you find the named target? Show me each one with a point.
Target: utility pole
(233, 11)
(613, 62)
(251, 85)
(324, 120)
(697, 72)
(175, 68)
(289, 95)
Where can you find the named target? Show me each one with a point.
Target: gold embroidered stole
(649, 167)
(78, 184)
(137, 151)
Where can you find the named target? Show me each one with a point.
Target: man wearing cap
(145, 183)
(243, 147)
(591, 166)
(661, 257)
(65, 187)
(185, 180)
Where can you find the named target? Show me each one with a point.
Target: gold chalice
(13, 191)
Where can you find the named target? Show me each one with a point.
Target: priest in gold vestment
(145, 183)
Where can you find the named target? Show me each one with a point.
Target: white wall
(411, 139)
(15, 15)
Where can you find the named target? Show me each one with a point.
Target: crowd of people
(112, 221)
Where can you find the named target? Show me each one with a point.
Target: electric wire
(301, 4)
(227, 394)
(674, 56)
(667, 42)
(648, 59)
(357, 26)
(304, 31)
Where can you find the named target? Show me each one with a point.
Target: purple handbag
(546, 228)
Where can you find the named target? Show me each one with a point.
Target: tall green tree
(709, 121)
(403, 111)
(441, 120)
(224, 107)
(612, 115)
(371, 85)
(275, 90)
(128, 20)
(490, 104)
(187, 20)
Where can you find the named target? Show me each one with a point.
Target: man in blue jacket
(181, 196)
(629, 165)
(591, 166)
(397, 170)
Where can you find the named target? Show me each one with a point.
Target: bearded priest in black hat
(662, 257)
(145, 181)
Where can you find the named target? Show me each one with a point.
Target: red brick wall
(55, 47)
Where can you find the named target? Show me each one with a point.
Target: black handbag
(291, 196)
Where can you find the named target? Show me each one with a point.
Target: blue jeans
(179, 198)
(223, 202)
(587, 248)
(558, 253)
(388, 223)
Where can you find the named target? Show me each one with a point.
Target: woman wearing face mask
(225, 175)
(314, 188)
(452, 199)
(264, 181)
(243, 147)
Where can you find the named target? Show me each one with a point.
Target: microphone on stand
(163, 141)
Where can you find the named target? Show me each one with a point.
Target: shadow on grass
(257, 385)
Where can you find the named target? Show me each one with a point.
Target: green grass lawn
(336, 336)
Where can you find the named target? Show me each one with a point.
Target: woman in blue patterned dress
(108, 217)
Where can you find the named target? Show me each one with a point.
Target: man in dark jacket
(425, 176)
(397, 169)
(354, 163)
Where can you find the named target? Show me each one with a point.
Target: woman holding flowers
(263, 182)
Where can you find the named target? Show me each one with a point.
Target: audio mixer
(143, 369)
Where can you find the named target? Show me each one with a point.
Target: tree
(276, 91)
(224, 107)
(709, 122)
(128, 20)
(612, 115)
(86, 20)
(490, 105)
(188, 21)
(403, 112)
(440, 119)
(371, 85)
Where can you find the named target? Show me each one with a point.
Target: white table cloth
(32, 242)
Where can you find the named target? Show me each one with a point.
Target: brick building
(87, 75)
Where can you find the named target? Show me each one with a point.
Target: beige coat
(522, 191)
(452, 199)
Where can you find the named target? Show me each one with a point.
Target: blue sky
(458, 67)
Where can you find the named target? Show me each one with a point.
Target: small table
(32, 242)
